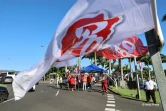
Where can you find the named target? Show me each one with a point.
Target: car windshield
(11, 73)
(4, 74)
(64, 78)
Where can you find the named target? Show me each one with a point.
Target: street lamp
(44, 74)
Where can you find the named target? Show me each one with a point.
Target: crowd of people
(83, 81)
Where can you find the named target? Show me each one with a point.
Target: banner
(89, 26)
(130, 47)
(64, 63)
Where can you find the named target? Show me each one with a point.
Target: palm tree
(89, 56)
(101, 61)
(164, 18)
(145, 72)
(163, 58)
(113, 66)
(126, 69)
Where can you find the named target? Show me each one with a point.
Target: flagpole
(154, 46)
(131, 71)
(142, 75)
(79, 64)
(110, 71)
(137, 79)
(121, 68)
(66, 69)
(95, 58)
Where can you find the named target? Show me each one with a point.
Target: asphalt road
(50, 98)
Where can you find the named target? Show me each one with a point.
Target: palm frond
(164, 18)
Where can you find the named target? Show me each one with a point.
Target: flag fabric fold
(64, 63)
(130, 47)
(95, 26)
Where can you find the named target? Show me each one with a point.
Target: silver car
(6, 79)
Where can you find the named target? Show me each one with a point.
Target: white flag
(89, 26)
(64, 63)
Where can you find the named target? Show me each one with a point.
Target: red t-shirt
(72, 81)
(105, 81)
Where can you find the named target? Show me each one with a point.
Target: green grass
(3, 85)
(132, 93)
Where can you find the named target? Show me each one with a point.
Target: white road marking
(110, 96)
(109, 109)
(42, 91)
(110, 101)
(7, 101)
(117, 110)
(111, 105)
(57, 93)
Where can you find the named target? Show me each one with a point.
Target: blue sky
(26, 25)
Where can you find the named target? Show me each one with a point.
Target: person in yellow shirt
(60, 82)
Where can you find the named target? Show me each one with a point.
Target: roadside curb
(125, 97)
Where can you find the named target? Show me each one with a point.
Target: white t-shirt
(149, 85)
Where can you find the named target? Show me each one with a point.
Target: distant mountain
(9, 71)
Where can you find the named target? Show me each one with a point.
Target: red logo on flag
(86, 34)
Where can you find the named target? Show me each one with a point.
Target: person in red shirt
(72, 83)
(89, 80)
(105, 84)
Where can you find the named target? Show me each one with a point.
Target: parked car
(3, 93)
(6, 80)
(9, 74)
(64, 81)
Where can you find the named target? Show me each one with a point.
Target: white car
(9, 74)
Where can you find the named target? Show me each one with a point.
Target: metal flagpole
(121, 69)
(95, 58)
(110, 71)
(137, 79)
(155, 41)
(79, 65)
(131, 71)
(142, 76)
(140, 66)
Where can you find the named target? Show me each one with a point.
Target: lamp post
(44, 74)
